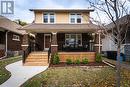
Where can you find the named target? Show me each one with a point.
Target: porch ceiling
(61, 28)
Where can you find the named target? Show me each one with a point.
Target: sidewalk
(125, 65)
(20, 73)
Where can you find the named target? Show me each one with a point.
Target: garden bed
(63, 64)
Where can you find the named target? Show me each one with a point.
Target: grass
(4, 74)
(78, 77)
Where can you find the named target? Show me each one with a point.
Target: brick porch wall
(2, 53)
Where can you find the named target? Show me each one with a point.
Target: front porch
(66, 42)
(76, 41)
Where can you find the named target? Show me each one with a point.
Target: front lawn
(78, 77)
(4, 74)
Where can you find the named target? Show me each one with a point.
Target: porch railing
(26, 53)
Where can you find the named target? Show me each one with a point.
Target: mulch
(63, 64)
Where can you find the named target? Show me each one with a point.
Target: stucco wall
(61, 17)
(38, 17)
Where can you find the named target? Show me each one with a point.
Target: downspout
(6, 43)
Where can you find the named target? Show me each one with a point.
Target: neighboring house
(10, 38)
(66, 31)
(108, 43)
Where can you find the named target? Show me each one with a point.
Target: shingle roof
(61, 27)
(123, 20)
(7, 24)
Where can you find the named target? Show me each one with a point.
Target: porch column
(97, 42)
(25, 42)
(54, 45)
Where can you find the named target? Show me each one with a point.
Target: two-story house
(67, 32)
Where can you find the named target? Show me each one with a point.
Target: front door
(47, 41)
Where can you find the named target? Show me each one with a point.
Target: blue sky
(22, 7)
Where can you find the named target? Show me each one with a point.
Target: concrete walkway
(20, 73)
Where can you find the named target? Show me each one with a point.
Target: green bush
(85, 61)
(69, 61)
(77, 61)
(98, 58)
(56, 59)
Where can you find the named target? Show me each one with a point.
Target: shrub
(98, 58)
(77, 61)
(56, 59)
(69, 61)
(85, 61)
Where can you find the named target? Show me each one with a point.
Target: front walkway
(20, 73)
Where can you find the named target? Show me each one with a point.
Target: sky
(21, 8)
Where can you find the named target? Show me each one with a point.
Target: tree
(115, 10)
(18, 21)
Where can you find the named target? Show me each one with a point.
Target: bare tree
(117, 12)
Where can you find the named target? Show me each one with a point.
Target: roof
(9, 25)
(61, 27)
(64, 10)
(122, 21)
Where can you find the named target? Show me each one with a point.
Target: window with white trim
(16, 37)
(49, 17)
(75, 18)
(73, 39)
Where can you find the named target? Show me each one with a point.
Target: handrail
(49, 53)
(26, 53)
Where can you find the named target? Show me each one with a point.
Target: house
(67, 32)
(109, 43)
(10, 38)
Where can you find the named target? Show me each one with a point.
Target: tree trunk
(118, 77)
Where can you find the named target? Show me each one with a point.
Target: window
(75, 18)
(45, 18)
(16, 37)
(49, 18)
(71, 39)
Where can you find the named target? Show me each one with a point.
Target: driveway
(20, 73)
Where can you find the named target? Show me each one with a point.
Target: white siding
(108, 44)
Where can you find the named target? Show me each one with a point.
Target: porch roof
(61, 27)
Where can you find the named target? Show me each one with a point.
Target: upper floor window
(49, 18)
(75, 18)
(16, 37)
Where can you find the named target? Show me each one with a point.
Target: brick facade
(14, 45)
